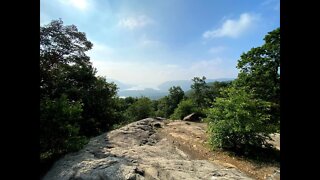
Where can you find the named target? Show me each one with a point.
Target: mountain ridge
(163, 88)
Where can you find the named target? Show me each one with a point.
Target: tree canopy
(249, 110)
(75, 104)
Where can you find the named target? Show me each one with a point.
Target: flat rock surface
(140, 150)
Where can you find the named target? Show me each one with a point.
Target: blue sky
(147, 42)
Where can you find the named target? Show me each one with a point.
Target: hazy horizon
(146, 43)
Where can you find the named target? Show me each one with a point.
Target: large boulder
(136, 151)
(160, 118)
(192, 117)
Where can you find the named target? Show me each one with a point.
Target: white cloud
(217, 49)
(232, 28)
(171, 66)
(78, 4)
(135, 22)
(149, 43)
(146, 42)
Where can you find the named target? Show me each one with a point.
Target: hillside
(124, 89)
(154, 149)
(148, 92)
(186, 84)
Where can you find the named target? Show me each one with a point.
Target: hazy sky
(147, 42)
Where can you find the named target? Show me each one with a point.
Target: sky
(148, 42)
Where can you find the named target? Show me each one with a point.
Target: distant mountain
(122, 86)
(154, 93)
(186, 84)
(148, 92)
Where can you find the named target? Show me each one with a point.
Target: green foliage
(260, 72)
(162, 107)
(248, 111)
(167, 105)
(64, 67)
(209, 92)
(184, 108)
(176, 94)
(99, 108)
(66, 79)
(214, 90)
(59, 129)
(239, 120)
(199, 88)
(140, 109)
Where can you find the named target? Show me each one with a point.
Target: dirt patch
(191, 138)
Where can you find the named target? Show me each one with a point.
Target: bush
(59, 129)
(140, 109)
(185, 107)
(238, 121)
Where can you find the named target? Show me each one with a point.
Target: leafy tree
(66, 69)
(214, 90)
(260, 72)
(67, 78)
(59, 129)
(167, 104)
(248, 111)
(140, 109)
(64, 66)
(199, 88)
(184, 108)
(99, 108)
(239, 120)
(170, 102)
(176, 94)
(260, 68)
(163, 107)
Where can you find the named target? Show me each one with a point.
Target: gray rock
(136, 152)
(160, 118)
(192, 117)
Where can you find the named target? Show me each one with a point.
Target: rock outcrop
(192, 117)
(136, 151)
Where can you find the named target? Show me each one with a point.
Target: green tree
(248, 111)
(100, 108)
(260, 72)
(199, 88)
(64, 66)
(214, 90)
(260, 68)
(74, 103)
(66, 69)
(59, 129)
(176, 94)
(185, 107)
(167, 104)
(163, 107)
(140, 109)
(239, 120)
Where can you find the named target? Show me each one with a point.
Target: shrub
(185, 107)
(239, 121)
(140, 109)
(59, 129)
